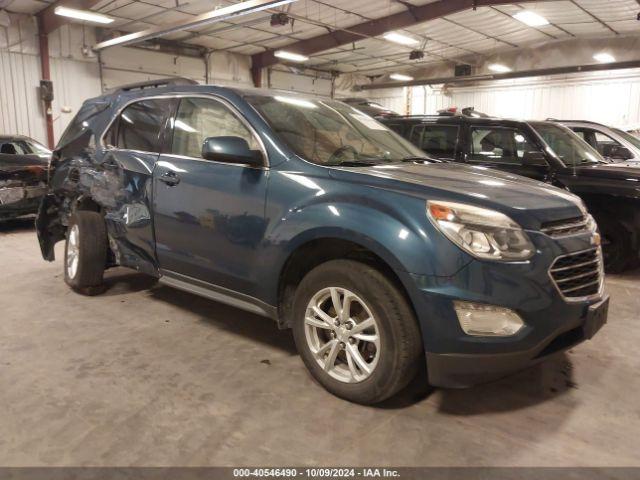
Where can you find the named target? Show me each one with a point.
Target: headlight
(481, 232)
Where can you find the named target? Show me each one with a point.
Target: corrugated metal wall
(608, 97)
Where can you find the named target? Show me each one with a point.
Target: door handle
(169, 178)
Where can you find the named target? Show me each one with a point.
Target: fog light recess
(482, 320)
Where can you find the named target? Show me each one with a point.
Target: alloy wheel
(342, 334)
(73, 251)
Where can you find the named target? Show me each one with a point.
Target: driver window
(200, 118)
(500, 145)
(605, 144)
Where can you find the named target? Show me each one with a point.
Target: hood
(624, 169)
(528, 202)
(619, 179)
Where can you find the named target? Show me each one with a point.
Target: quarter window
(200, 118)
(139, 126)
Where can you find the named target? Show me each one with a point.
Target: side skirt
(218, 294)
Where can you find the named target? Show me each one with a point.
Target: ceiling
(483, 32)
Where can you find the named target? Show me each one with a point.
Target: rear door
(503, 148)
(208, 215)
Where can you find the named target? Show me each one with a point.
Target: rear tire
(85, 252)
(391, 346)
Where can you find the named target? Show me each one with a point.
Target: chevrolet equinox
(311, 213)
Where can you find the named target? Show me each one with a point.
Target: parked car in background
(612, 143)
(372, 109)
(544, 151)
(23, 175)
(311, 213)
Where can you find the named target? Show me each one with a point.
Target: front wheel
(355, 331)
(617, 246)
(85, 252)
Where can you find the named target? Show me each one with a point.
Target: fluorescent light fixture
(294, 57)
(298, 102)
(531, 18)
(400, 77)
(214, 16)
(604, 57)
(400, 38)
(499, 68)
(85, 15)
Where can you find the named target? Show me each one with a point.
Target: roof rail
(159, 82)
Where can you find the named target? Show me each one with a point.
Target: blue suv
(311, 213)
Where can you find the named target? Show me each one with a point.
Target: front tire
(85, 251)
(355, 331)
(617, 246)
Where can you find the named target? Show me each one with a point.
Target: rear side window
(139, 126)
(440, 140)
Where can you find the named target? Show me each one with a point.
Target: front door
(208, 216)
(504, 148)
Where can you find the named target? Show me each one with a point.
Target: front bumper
(552, 322)
(464, 370)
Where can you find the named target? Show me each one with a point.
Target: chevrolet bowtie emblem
(596, 239)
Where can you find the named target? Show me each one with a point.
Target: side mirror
(231, 150)
(536, 159)
(618, 152)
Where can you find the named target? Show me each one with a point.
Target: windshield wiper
(353, 163)
(420, 159)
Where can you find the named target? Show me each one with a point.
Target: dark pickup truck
(544, 151)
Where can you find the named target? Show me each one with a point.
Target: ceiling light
(400, 38)
(499, 68)
(294, 57)
(531, 18)
(604, 57)
(400, 77)
(85, 15)
(246, 7)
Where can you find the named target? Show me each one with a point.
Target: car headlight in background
(480, 320)
(483, 233)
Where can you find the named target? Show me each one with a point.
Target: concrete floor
(147, 375)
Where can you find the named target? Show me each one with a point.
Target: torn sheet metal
(116, 183)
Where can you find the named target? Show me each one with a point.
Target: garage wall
(300, 81)
(75, 76)
(76, 73)
(609, 97)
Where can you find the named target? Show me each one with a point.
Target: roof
(487, 30)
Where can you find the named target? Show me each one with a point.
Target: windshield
(327, 132)
(635, 141)
(567, 145)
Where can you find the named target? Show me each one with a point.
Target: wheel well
(87, 203)
(308, 256)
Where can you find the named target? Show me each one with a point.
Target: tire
(392, 362)
(616, 246)
(87, 237)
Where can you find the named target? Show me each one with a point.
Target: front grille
(578, 274)
(571, 226)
